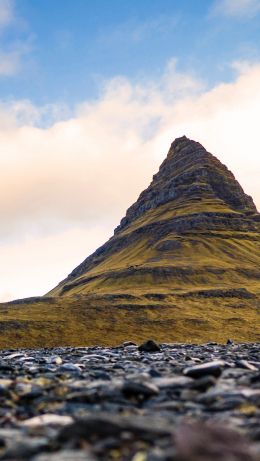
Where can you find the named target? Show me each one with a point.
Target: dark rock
(5, 367)
(204, 383)
(154, 373)
(140, 390)
(108, 425)
(98, 374)
(149, 346)
(255, 378)
(24, 448)
(209, 368)
(230, 342)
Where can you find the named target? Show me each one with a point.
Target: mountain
(182, 265)
(192, 229)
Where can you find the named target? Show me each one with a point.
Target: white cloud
(65, 187)
(20, 113)
(237, 8)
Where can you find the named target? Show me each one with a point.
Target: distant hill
(183, 265)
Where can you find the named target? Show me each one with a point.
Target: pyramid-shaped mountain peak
(174, 237)
(190, 174)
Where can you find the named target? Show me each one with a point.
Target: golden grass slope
(174, 262)
(90, 320)
(191, 287)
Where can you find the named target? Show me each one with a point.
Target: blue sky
(69, 47)
(92, 93)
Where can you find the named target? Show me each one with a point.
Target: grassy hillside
(109, 320)
(192, 262)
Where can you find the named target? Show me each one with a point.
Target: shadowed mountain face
(192, 230)
(183, 265)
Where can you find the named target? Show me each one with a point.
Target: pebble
(148, 403)
(139, 389)
(209, 368)
(47, 420)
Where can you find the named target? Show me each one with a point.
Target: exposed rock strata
(190, 172)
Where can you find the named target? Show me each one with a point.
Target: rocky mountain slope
(182, 265)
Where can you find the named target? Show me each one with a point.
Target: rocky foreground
(168, 403)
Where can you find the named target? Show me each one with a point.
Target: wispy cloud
(6, 13)
(14, 50)
(236, 8)
(11, 57)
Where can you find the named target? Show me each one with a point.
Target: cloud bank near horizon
(66, 186)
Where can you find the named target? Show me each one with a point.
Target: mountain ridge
(181, 148)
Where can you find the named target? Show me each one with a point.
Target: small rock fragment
(46, 420)
(230, 342)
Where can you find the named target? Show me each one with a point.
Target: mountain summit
(189, 230)
(183, 265)
(190, 173)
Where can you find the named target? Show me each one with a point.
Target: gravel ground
(173, 402)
